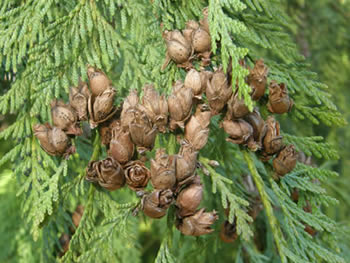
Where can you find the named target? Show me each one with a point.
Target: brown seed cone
(65, 117)
(130, 106)
(197, 224)
(285, 160)
(155, 204)
(78, 99)
(163, 170)
(193, 81)
(156, 107)
(77, 215)
(53, 140)
(121, 148)
(186, 163)
(189, 199)
(137, 175)
(259, 126)
(205, 78)
(240, 132)
(107, 173)
(236, 108)
(295, 195)
(310, 230)
(218, 91)
(228, 232)
(197, 129)
(257, 79)
(101, 108)
(273, 140)
(200, 39)
(142, 132)
(279, 101)
(180, 105)
(99, 82)
(64, 243)
(178, 48)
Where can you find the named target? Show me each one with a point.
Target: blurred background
(321, 30)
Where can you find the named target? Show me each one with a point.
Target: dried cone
(257, 79)
(178, 49)
(197, 224)
(204, 21)
(78, 99)
(236, 108)
(228, 232)
(155, 204)
(130, 106)
(142, 132)
(240, 132)
(65, 117)
(205, 78)
(105, 129)
(156, 107)
(137, 175)
(107, 173)
(259, 126)
(186, 164)
(121, 148)
(197, 129)
(279, 101)
(189, 199)
(193, 81)
(218, 91)
(64, 243)
(53, 140)
(272, 140)
(101, 108)
(285, 160)
(180, 105)
(200, 38)
(163, 170)
(99, 82)
(77, 215)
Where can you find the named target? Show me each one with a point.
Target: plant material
(272, 140)
(204, 21)
(218, 91)
(228, 232)
(155, 204)
(236, 108)
(257, 79)
(64, 241)
(99, 82)
(193, 81)
(186, 164)
(121, 148)
(130, 106)
(197, 129)
(107, 173)
(65, 117)
(279, 101)
(285, 160)
(137, 175)
(77, 215)
(156, 107)
(78, 99)
(240, 132)
(101, 108)
(189, 199)
(259, 126)
(179, 49)
(163, 170)
(142, 131)
(53, 140)
(197, 224)
(180, 105)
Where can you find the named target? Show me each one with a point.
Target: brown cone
(121, 148)
(228, 232)
(279, 101)
(236, 108)
(99, 82)
(273, 140)
(137, 175)
(259, 126)
(78, 99)
(189, 199)
(155, 204)
(163, 170)
(285, 160)
(186, 163)
(65, 117)
(257, 79)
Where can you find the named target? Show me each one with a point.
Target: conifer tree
(49, 46)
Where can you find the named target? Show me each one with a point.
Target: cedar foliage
(47, 45)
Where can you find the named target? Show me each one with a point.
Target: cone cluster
(129, 131)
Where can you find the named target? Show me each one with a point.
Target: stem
(276, 231)
(97, 147)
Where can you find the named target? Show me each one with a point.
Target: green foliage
(46, 46)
